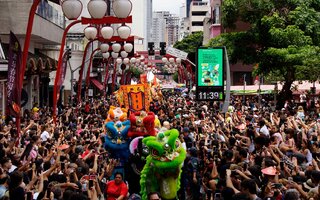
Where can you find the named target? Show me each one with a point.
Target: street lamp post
(88, 71)
(244, 87)
(259, 92)
(71, 80)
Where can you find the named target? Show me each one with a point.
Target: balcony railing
(50, 13)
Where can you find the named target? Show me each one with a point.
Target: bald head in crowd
(166, 124)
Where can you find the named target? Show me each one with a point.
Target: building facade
(41, 61)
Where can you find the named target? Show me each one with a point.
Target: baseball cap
(185, 129)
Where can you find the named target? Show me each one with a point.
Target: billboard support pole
(228, 85)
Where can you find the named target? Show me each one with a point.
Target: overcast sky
(168, 5)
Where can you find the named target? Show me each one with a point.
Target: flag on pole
(14, 84)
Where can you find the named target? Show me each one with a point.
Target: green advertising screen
(210, 67)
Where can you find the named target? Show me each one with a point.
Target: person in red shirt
(116, 189)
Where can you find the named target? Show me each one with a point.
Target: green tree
(190, 44)
(283, 38)
(136, 72)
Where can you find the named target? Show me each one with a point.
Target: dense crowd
(253, 151)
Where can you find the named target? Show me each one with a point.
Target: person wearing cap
(35, 113)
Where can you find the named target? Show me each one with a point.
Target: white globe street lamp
(90, 32)
(126, 61)
(124, 31)
(133, 60)
(128, 47)
(114, 55)
(104, 47)
(97, 8)
(122, 8)
(164, 60)
(71, 9)
(106, 32)
(119, 60)
(123, 54)
(106, 55)
(116, 47)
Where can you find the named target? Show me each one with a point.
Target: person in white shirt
(263, 128)
(45, 135)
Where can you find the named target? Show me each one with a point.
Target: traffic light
(68, 53)
(163, 46)
(151, 48)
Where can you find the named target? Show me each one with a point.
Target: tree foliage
(283, 38)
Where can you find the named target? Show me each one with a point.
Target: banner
(134, 97)
(14, 84)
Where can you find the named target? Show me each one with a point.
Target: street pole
(228, 85)
(71, 85)
(244, 87)
(71, 80)
(259, 92)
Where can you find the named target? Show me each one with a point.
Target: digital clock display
(209, 94)
(210, 74)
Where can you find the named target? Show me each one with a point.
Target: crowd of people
(253, 151)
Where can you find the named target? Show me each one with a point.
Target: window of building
(74, 46)
(198, 13)
(216, 14)
(138, 41)
(2, 56)
(197, 23)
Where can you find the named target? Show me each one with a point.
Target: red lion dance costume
(142, 124)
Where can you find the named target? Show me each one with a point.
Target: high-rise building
(158, 28)
(141, 23)
(188, 3)
(165, 28)
(172, 28)
(197, 13)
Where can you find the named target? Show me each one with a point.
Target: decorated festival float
(143, 150)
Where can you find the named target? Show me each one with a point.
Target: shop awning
(96, 83)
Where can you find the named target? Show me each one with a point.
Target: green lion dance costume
(163, 167)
